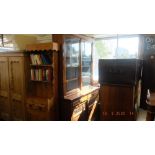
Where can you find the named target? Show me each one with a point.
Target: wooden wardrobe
(12, 85)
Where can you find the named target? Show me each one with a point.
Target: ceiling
(97, 36)
(100, 36)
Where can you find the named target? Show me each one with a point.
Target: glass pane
(72, 85)
(127, 48)
(68, 52)
(72, 52)
(105, 49)
(72, 63)
(86, 63)
(72, 72)
(75, 54)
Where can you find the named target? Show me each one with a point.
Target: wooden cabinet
(119, 88)
(76, 73)
(42, 91)
(12, 86)
(118, 102)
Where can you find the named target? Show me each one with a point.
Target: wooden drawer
(93, 95)
(78, 111)
(84, 98)
(42, 107)
(94, 98)
(75, 103)
(39, 104)
(92, 112)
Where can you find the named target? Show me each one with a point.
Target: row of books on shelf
(40, 59)
(40, 74)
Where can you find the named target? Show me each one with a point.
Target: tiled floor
(141, 115)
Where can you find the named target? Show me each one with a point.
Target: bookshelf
(42, 92)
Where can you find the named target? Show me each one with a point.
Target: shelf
(72, 66)
(72, 79)
(74, 56)
(41, 65)
(86, 66)
(40, 81)
(85, 76)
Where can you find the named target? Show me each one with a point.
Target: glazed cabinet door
(86, 56)
(5, 108)
(16, 72)
(72, 64)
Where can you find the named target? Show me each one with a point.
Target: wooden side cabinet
(12, 86)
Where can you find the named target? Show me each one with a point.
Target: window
(5, 43)
(115, 47)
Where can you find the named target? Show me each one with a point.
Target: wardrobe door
(5, 109)
(16, 72)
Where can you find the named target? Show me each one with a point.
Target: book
(32, 75)
(31, 56)
(43, 59)
(40, 74)
(40, 59)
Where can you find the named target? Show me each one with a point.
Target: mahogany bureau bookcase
(78, 96)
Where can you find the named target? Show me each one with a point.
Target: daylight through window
(116, 47)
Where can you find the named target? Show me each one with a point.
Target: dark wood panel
(117, 102)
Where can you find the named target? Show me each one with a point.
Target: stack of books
(40, 59)
(41, 75)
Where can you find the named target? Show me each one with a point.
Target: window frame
(117, 36)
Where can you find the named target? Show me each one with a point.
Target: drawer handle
(39, 107)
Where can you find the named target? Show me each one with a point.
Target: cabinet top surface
(43, 46)
(81, 93)
(12, 53)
